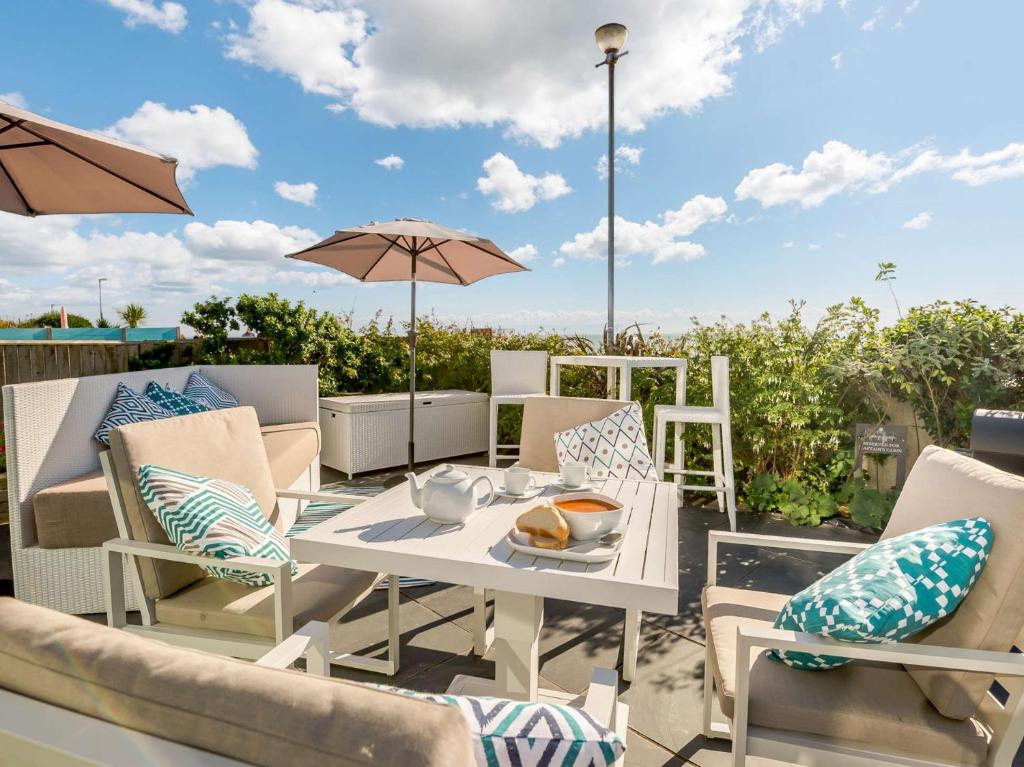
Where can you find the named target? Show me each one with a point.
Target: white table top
(617, 360)
(388, 534)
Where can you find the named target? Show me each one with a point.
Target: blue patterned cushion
(128, 407)
(212, 516)
(201, 388)
(889, 591)
(614, 447)
(174, 401)
(507, 732)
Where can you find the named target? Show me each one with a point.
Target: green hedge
(797, 388)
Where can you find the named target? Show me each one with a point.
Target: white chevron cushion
(211, 516)
(614, 447)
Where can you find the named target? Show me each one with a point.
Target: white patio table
(620, 367)
(389, 534)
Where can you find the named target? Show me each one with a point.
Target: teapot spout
(415, 490)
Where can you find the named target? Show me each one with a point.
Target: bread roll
(544, 521)
(543, 542)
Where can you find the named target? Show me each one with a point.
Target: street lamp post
(99, 284)
(611, 39)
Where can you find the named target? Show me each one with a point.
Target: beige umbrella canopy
(414, 250)
(48, 167)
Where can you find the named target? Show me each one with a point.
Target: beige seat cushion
(874, 704)
(225, 444)
(319, 592)
(75, 514)
(243, 711)
(543, 417)
(291, 448)
(944, 486)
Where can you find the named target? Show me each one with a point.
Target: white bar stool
(719, 418)
(515, 377)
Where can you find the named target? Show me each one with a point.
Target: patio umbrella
(49, 167)
(414, 250)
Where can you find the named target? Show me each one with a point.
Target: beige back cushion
(243, 711)
(543, 417)
(945, 486)
(225, 444)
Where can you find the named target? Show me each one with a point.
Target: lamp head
(611, 38)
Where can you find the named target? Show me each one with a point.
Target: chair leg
(679, 453)
(730, 480)
(492, 435)
(709, 688)
(716, 454)
(659, 446)
(394, 628)
(483, 635)
(631, 643)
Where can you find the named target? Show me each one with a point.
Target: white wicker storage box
(365, 432)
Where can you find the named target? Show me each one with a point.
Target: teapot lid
(449, 473)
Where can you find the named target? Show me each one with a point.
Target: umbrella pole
(412, 371)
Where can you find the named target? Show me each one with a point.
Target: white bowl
(588, 525)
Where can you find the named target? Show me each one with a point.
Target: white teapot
(449, 496)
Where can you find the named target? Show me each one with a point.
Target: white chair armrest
(170, 553)
(716, 537)
(906, 653)
(602, 696)
(303, 495)
(312, 641)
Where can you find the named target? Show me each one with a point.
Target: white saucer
(559, 484)
(533, 492)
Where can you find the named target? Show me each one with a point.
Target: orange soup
(585, 505)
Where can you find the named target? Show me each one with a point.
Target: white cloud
(660, 241)
(514, 191)
(559, 261)
(920, 221)
(788, 244)
(304, 194)
(168, 16)
(15, 99)
(247, 240)
(837, 60)
(871, 23)
(395, 64)
(200, 137)
(624, 155)
(813, 246)
(391, 162)
(524, 253)
(838, 167)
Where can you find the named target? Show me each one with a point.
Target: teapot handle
(490, 492)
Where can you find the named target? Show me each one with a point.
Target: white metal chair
(718, 416)
(515, 377)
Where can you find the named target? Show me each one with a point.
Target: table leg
(556, 378)
(679, 428)
(610, 386)
(517, 622)
(626, 384)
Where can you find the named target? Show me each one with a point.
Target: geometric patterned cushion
(507, 732)
(614, 447)
(174, 401)
(201, 388)
(211, 516)
(128, 407)
(889, 591)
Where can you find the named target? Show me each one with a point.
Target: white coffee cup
(575, 474)
(518, 480)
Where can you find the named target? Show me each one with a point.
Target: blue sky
(773, 150)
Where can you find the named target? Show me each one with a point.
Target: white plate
(559, 484)
(590, 552)
(533, 492)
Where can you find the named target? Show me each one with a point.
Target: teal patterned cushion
(129, 406)
(889, 591)
(507, 732)
(174, 401)
(211, 516)
(614, 447)
(201, 388)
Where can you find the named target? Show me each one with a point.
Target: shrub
(52, 320)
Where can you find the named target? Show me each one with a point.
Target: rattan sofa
(59, 506)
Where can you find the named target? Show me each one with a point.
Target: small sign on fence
(887, 439)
